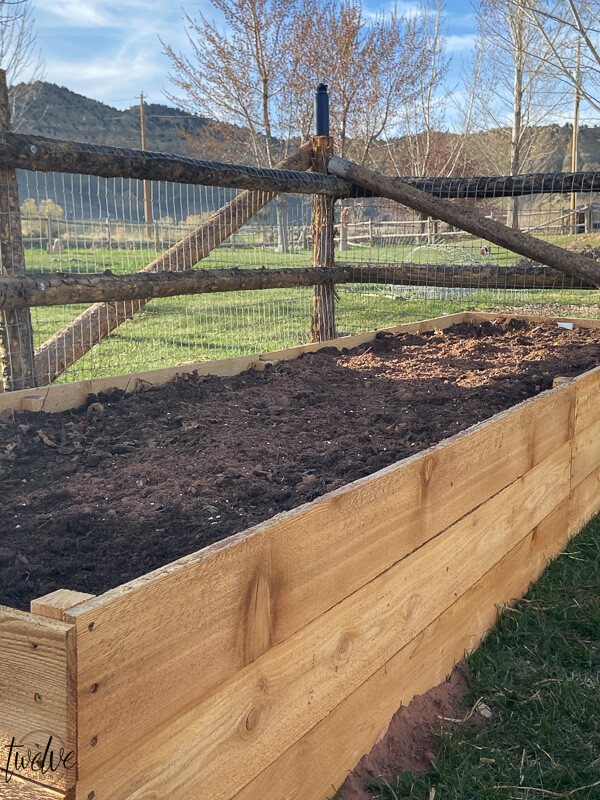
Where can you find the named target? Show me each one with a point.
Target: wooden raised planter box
(265, 665)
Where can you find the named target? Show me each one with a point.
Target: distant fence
(97, 281)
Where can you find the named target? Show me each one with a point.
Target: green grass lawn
(538, 672)
(172, 330)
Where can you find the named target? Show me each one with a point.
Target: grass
(538, 671)
(193, 328)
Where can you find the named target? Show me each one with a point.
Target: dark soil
(94, 497)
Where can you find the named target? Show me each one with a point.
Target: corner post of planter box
(323, 317)
(38, 698)
(16, 336)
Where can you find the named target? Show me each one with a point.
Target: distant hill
(55, 111)
(59, 113)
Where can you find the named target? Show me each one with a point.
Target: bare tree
(18, 55)
(237, 75)
(519, 88)
(260, 72)
(372, 68)
(423, 118)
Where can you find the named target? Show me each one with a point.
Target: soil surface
(94, 497)
(409, 744)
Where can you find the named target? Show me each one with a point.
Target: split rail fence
(430, 243)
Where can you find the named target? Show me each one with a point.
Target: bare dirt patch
(409, 743)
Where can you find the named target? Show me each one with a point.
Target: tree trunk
(515, 141)
(281, 210)
(16, 335)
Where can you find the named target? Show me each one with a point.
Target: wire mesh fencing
(412, 266)
(422, 267)
(85, 224)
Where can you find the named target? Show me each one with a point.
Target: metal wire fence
(459, 271)
(88, 224)
(79, 224)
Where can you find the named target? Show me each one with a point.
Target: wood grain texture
(16, 333)
(214, 749)
(18, 789)
(36, 684)
(587, 408)
(54, 605)
(585, 501)
(322, 326)
(311, 559)
(586, 442)
(320, 760)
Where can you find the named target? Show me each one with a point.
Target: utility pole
(147, 205)
(575, 138)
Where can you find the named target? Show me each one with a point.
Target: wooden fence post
(49, 234)
(16, 337)
(323, 317)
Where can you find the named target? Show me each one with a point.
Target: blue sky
(109, 49)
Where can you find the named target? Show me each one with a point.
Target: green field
(173, 330)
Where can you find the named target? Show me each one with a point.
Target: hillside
(57, 112)
(62, 114)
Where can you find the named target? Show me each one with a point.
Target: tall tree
(579, 25)
(236, 73)
(372, 68)
(259, 71)
(519, 88)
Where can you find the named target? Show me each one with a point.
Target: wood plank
(17, 789)
(587, 407)
(214, 749)
(320, 761)
(54, 605)
(586, 452)
(585, 501)
(36, 685)
(310, 558)
(479, 316)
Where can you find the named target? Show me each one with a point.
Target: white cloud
(116, 81)
(116, 52)
(460, 44)
(75, 13)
